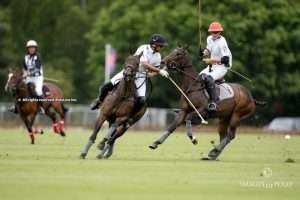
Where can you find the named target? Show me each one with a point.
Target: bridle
(18, 82)
(131, 75)
(173, 65)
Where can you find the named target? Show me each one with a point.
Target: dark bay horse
(28, 107)
(230, 111)
(118, 109)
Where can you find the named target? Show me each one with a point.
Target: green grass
(51, 168)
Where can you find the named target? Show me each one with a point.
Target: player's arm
(150, 67)
(225, 52)
(24, 69)
(155, 70)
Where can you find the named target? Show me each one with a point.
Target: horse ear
(12, 70)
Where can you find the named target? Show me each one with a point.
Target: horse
(28, 107)
(118, 109)
(230, 111)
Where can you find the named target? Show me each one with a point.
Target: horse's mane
(16, 71)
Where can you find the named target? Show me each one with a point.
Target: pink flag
(110, 61)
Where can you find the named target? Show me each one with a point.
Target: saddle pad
(224, 91)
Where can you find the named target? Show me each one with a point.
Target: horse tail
(260, 103)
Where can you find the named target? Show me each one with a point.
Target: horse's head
(178, 58)
(131, 66)
(15, 79)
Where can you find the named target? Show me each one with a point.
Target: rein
(186, 74)
(196, 80)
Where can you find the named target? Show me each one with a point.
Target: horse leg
(189, 128)
(193, 118)
(61, 110)
(107, 151)
(120, 123)
(110, 132)
(52, 115)
(189, 131)
(227, 130)
(120, 131)
(28, 120)
(100, 120)
(178, 121)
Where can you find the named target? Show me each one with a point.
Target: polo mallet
(203, 121)
(240, 75)
(51, 79)
(199, 23)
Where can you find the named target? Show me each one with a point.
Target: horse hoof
(195, 141)
(100, 157)
(153, 146)
(209, 159)
(82, 156)
(206, 158)
(62, 134)
(41, 131)
(101, 146)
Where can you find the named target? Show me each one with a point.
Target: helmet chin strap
(216, 37)
(153, 47)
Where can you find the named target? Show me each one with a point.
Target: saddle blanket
(224, 91)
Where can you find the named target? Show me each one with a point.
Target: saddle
(46, 91)
(223, 90)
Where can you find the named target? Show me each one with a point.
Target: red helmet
(215, 27)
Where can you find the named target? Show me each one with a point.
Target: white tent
(284, 124)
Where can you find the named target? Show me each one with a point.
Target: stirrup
(212, 106)
(95, 105)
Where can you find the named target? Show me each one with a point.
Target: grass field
(252, 167)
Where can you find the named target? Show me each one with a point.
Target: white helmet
(31, 43)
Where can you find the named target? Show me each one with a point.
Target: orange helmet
(215, 27)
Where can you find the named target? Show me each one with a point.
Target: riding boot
(103, 91)
(212, 105)
(211, 89)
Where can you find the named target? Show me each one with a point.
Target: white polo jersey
(218, 48)
(30, 63)
(149, 56)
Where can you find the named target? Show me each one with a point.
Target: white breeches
(38, 82)
(217, 71)
(140, 82)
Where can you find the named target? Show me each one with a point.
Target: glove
(207, 60)
(164, 73)
(25, 74)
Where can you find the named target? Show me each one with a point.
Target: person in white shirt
(149, 61)
(219, 59)
(33, 73)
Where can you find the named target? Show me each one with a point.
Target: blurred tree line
(264, 37)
